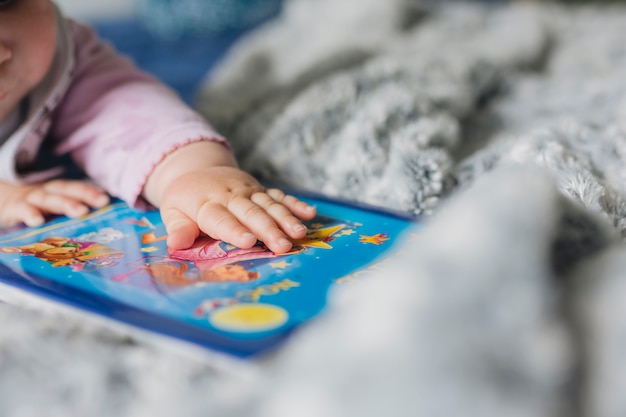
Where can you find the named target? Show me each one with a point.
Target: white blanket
(504, 127)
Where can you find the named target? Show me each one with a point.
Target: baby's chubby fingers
(81, 191)
(298, 208)
(280, 214)
(181, 230)
(56, 204)
(260, 222)
(71, 198)
(22, 212)
(213, 220)
(218, 222)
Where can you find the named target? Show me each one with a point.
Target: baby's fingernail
(284, 242)
(310, 208)
(78, 211)
(298, 228)
(102, 201)
(34, 221)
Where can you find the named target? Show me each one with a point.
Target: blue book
(114, 263)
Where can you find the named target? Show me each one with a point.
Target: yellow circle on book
(249, 317)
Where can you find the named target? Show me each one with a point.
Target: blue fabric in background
(179, 41)
(178, 19)
(180, 64)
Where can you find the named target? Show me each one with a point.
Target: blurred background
(111, 9)
(176, 40)
(179, 40)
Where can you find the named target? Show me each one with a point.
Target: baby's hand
(29, 203)
(199, 189)
(230, 205)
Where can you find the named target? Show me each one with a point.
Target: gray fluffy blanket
(504, 128)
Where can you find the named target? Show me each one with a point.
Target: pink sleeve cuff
(134, 197)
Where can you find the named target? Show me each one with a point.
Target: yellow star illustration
(318, 238)
(280, 265)
(376, 239)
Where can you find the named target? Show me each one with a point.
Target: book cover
(114, 262)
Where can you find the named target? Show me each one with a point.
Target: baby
(64, 92)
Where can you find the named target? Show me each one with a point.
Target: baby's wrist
(185, 159)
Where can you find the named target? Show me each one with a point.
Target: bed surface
(504, 127)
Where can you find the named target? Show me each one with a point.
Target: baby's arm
(29, 203)
(199, 189)
(117, 123)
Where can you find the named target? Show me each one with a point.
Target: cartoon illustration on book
(236, 300)
(62, 251)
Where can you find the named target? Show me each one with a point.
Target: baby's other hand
(230, 205)
(29, 203)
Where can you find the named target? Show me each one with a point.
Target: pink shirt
(116, 121)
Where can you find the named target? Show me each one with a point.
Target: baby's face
(28, 36)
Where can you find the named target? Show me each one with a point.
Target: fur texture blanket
(503, 127)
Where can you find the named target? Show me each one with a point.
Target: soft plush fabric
(503, 127)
